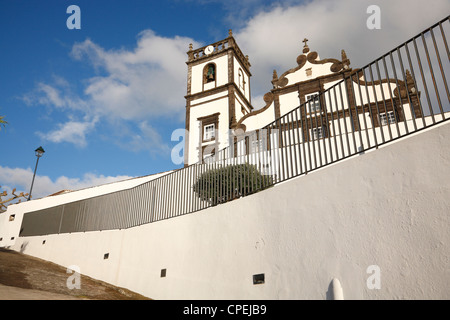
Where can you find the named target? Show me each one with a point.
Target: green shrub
(231, 182)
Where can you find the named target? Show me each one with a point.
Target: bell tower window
(209, 74)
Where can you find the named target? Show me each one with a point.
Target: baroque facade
(219, 108)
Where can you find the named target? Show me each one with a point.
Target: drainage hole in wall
(163, 273)
(43, 242)
(258, 278)
(106, 256)
(12, 238)
(12, 217)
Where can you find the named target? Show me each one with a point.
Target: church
(219, 110)
(341, 175)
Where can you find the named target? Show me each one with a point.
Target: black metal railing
(400, 93)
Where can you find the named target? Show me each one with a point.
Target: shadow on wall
(23, 247)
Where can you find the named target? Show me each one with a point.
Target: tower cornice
(227, 44)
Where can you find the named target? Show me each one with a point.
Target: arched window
(209, 73)
(241, 80)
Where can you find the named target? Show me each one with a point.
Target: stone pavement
(23, 277)
(14, 293)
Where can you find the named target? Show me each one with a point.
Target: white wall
(260, 120)
(9, 230)
(246, 90)
(387, 208)
(288, 102)
(318, 70)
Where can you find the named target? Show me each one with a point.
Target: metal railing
(400, 93)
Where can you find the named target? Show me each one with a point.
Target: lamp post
(39, 152)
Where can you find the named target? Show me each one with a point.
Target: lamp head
(39, 152)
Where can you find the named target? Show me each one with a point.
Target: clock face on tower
(209, 49)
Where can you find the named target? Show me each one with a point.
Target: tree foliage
(230, 182)
(5, 200)
(3, 122)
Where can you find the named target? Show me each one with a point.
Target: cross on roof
(305, 41)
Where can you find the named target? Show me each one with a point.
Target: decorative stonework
(405, 87)
(219, 47)
(311, 57)
(268, 99)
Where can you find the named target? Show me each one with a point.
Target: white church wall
(335, 223)
(220, 105)
(260, 120)
(9, 230)
(246, 84)
(199, 101)
(288, 102)
(328, 85)
(385, 91)
(239, 103)
(317, 70)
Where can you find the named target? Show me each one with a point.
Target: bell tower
(218, 95)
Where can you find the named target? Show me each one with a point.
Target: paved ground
(24, 277)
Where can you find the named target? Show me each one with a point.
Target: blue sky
(104, 100)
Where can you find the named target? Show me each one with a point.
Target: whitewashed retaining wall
(389, 208)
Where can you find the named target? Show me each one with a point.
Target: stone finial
(275, 75)
(230, 33)
(410, 82)
(409, 78)
(275, 79)
(190, 47)
(344, 59)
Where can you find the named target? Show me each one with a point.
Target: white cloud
(51, 96)
(71, 131)
(139, 85)
(273, 38)
(20, 179)
(149, 81)
(58, 95)
(148, 139)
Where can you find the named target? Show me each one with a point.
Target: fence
(400, 93)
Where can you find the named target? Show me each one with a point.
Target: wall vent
(106, 256)
(258, 278)
(163, 273)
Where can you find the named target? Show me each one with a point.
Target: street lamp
(39, 152)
